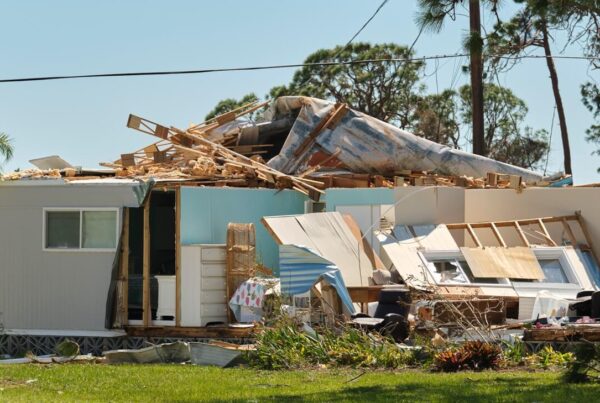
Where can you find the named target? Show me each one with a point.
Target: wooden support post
(178, 257)
(497, 235)
(546, 233)
(474, 236)
(586, 234)
(146, 303)
(125, 266)
(569, 232)
(521, 233)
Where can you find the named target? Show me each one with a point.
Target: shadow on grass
(514, 389)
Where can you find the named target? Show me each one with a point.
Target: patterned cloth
(248, 298)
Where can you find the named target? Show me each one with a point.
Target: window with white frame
(80, 229)
(450, 268)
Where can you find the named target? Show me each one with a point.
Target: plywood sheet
(358, 235)
(521, 263)
(498, 262)
(483, 264)
(287, 231)
(334, 241)
(405, 259)
(328, 235)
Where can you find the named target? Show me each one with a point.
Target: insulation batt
(369, 145)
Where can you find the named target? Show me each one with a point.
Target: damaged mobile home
(164, 240)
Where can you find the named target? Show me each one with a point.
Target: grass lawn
(95, 382)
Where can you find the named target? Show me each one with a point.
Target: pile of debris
(304, 144)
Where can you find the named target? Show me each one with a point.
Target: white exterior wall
(53, 290)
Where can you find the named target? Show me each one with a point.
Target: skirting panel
(18, 345)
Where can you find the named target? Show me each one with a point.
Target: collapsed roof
(308, 144)
(368, 145)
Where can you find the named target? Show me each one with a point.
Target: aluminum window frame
(541, 253)
(80, 210)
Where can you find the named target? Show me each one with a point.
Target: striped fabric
(301, 267)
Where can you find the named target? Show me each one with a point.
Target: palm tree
(6, 147)
(432, 15)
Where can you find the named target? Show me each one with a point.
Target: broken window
(80, 229)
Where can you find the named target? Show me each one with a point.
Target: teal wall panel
(205, 213)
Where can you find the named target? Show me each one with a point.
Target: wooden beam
(146, 303)
(125, 264)
(546, 233)
(586, 235)
(570, 233)
(178, 257)
(511, 223)
(498, 236)
(212, 332)
(474, 236)
(337, 112)
(521, 233)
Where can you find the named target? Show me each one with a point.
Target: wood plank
(474, 236)
(511, 223)
(586, 235)
(178, 257)
(146, 307)
(125, 264)
(331, 118)
(546, 233)
(569, 232)
(498, 236)
(521, 233)
(222, 332)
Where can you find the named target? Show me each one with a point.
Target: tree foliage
(393, 92)
(6, 146)
(506, 137)
(230, 104)
(590, 95)
(388, 91)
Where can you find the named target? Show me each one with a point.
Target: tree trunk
(557, 99)
(476, 80)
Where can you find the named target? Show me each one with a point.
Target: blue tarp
(301, 267)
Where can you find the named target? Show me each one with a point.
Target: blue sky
(84, 120)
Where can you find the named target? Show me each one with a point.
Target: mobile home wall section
(53, 290)
(205, 213)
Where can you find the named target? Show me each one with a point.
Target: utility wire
(339, 52)
(282, 66)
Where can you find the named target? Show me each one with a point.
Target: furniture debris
(248, 300)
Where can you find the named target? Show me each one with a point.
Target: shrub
(547, 357)
(475, 355)
(285, 346)
(585, 365)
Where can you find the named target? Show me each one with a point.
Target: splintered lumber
(330, 120)
(210, 149)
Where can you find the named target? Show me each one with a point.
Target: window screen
(99, 230)
(62, 229)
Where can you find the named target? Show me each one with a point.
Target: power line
(383, 3)
(339, 52)
(281, 66)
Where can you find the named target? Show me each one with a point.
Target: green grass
(96, 382)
